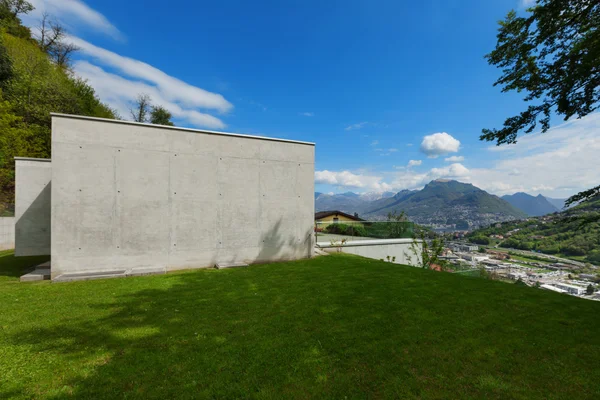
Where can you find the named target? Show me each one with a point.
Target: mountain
(558, 203)
(348, 202)
(373, 196)
(447, 204)
(444, 204)
(532, 206)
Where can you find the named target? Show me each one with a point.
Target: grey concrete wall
(32, 206)
(129, 195)
(380, 249)
(7, 233)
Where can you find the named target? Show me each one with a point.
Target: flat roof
(114, 121)
(33, 159)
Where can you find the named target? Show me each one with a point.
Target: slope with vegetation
(35, 80)
(573, 233)
(339, 326)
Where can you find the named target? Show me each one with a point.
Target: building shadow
(32, 228)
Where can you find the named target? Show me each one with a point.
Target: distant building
(552, 288)
(587, 276)
(325, 218)
(576, 290)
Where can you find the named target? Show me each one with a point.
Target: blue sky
(394, 93)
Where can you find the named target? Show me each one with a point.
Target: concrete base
(88, 276)
(230, 265)
(40, 273)
(147, 271)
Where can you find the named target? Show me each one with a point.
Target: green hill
(574, 233)
(35, 80)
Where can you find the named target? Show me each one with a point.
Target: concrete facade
(135, 196)
(32, 206)
(7, 233)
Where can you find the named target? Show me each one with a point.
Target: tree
(16, 7)
(589, 290)
(51, 39)
(9, 17)
(141, 108)
(553, 55)
(161, 116)
(426, 252)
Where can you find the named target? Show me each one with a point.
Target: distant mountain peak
(534, 206)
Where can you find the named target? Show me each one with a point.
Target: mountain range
(443, 204)
(532, 206)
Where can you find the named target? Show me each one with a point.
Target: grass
(333, 327)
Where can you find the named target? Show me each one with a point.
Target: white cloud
(557, 163)
(307, 114)
(350, 180)
(439, 144)
(384, 152)
(414, 163)
(120, 92)
(374, 142)
(172, 89)
(451, 171)
(528, 3)
(356, 126)
(455, 159)
(72, 13)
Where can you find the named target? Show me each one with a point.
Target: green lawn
(333, 327)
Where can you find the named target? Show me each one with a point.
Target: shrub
(344, 229)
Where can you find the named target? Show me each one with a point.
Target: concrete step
(223, 265)
(40, 273)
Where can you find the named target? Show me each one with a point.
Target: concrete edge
(374, 242)
(33, 159)
(175, 128)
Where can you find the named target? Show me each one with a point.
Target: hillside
(332, 327)
(533, 206)
(35, 80)
(574, 233)
(447, 203)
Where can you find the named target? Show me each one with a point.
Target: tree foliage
(552, 54)
(160, 116)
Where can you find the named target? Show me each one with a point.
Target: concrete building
(123, 198)
(571, 289)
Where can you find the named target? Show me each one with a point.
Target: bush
(348, 230)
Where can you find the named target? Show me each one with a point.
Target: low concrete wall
(128, 195)
(7, 233)
(380, 249)
(32, 206)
